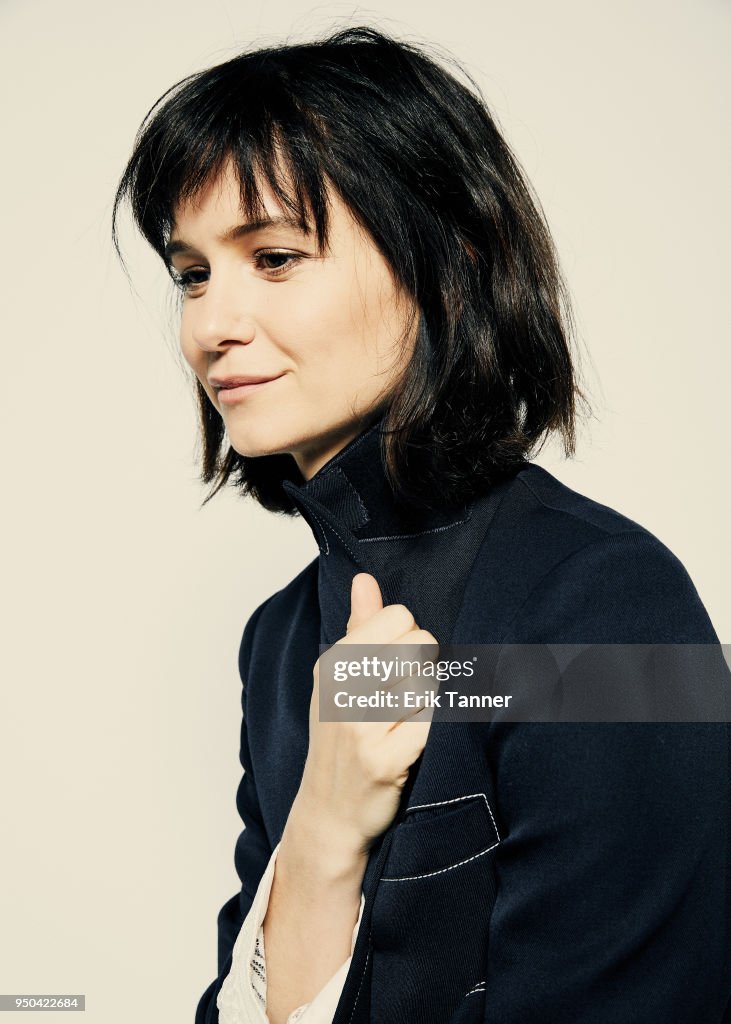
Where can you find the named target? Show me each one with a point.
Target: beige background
(123, 602)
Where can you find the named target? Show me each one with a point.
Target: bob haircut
(419, 161)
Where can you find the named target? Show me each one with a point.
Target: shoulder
(576, 570)
(566, 519)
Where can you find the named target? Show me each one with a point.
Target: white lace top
(242, 998)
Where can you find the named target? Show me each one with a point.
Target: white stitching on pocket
(456, 799)
(479, 987)
(410, 878)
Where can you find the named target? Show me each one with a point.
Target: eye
(273, 263)
(262, 258)
(190, 279)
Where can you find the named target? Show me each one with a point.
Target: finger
(386, 626)
(405, 742)
(365, 600)
(418, 717)
(402, 661)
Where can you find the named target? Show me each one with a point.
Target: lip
(233, 389)
(235, 380)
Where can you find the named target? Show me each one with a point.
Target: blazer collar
(420, 557)
(352, 495)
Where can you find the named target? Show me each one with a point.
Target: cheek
(338, 359)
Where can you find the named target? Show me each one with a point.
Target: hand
(355, 771)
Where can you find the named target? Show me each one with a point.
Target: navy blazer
(535, 872)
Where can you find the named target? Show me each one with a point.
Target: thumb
(365, 600)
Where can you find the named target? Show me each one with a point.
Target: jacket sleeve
(253, 848)
(613, 874)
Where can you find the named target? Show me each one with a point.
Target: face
(323, 331)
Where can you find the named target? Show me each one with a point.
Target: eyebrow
(179, 246)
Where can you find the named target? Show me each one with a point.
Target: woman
(379, 333)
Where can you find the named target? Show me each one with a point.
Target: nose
(220, 315)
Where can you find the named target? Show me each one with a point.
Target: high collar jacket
(535, 872)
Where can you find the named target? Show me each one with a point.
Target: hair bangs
(207, 122)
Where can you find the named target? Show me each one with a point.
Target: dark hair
(419, 161)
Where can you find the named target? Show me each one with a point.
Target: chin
(266, 440)
(253, 450)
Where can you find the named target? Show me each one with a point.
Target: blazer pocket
(440, 837)
(431, 913)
